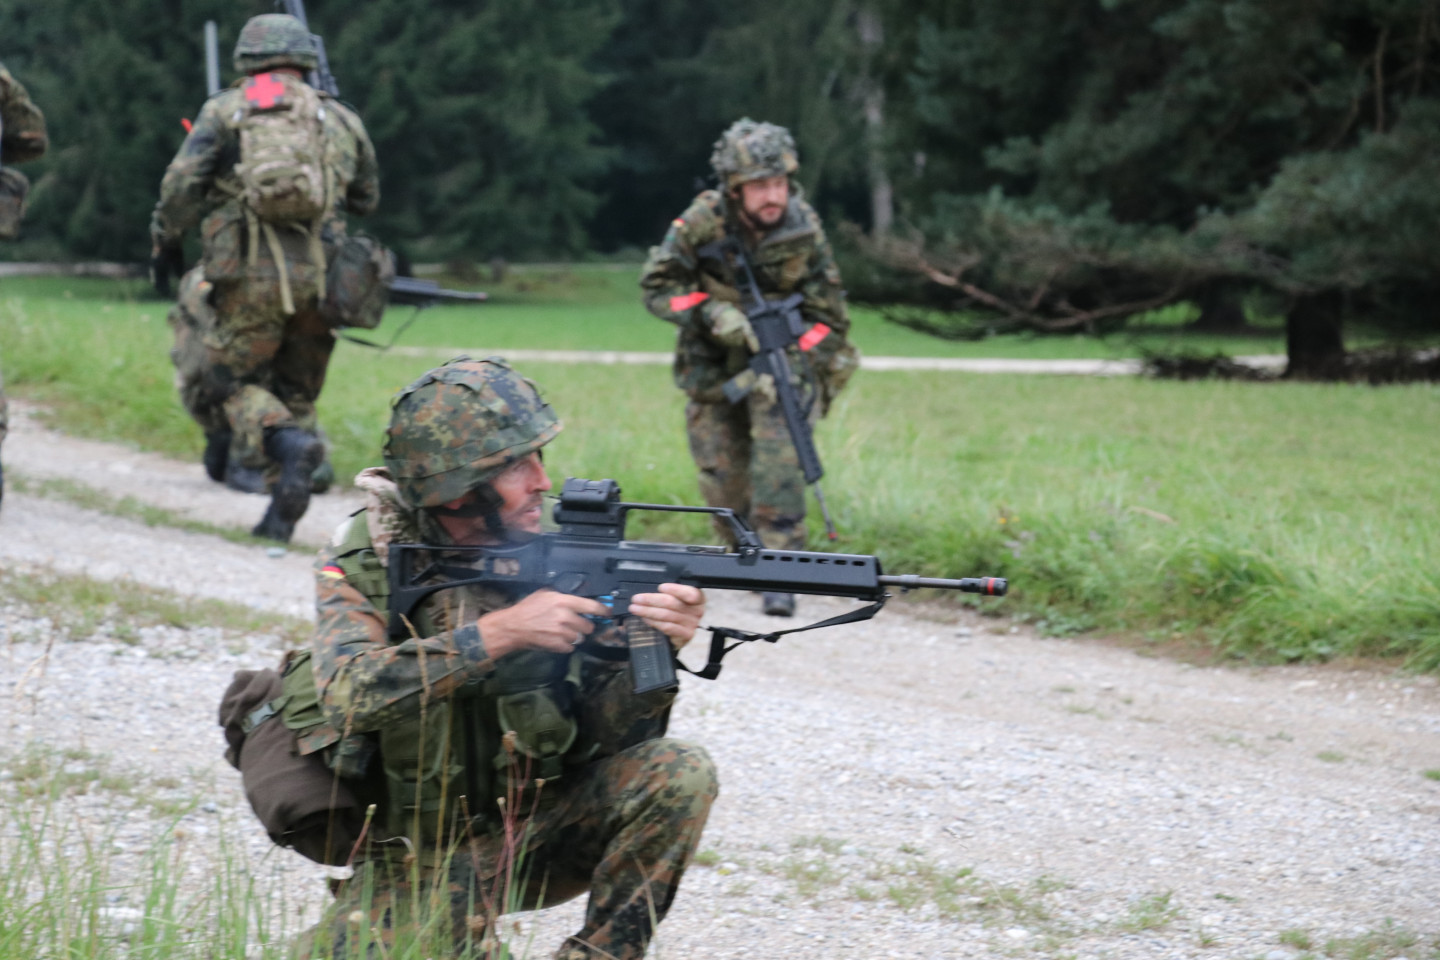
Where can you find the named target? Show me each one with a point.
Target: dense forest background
(985, 164)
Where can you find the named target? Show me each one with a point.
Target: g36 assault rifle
(590, 557)
(778, 325)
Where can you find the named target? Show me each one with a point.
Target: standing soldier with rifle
(267, 171)
(754, 255)
(22, 137)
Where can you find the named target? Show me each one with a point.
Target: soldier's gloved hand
(732, 328)
(765, 387)
(166, 260)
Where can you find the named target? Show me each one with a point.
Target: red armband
(677, 304)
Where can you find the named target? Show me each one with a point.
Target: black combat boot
(244, 479)
(322, 478)
(298, 454)
(217, 455)
(778, 604)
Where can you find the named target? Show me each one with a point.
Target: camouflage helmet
(753, 151)
(459, 425)
(274, 40)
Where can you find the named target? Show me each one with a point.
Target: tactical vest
(456, 747)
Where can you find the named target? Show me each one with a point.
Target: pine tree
(1076, 162)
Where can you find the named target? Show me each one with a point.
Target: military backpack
(282, 165)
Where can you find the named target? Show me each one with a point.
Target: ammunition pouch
(298, 798)
(357, 283)
(534, 700)
(14, 186)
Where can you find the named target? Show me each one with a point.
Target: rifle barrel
(413, 288)
(989, 586)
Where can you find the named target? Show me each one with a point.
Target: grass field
(1280, 521)
(597, 308)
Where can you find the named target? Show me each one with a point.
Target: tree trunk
(1220, 310)
(872, 99)
(1314, 342)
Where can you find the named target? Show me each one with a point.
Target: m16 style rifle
(778, 325)
(590, 557)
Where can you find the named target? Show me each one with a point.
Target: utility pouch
(357, 283)
(534, 692)
(297, 798)
(423, 774)
(14, 186)
(543, 733)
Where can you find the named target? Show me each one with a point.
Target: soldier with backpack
(266, 173)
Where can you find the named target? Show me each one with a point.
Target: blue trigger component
(609, 601)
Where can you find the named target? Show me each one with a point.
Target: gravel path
(1104, 804)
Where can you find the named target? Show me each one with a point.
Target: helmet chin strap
(482, 501)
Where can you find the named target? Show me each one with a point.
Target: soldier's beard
(765, 218)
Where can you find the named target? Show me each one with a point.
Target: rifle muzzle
(989, 586)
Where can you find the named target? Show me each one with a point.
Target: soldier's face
(764, 201)
(521, 487)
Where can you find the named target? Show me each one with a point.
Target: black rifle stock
(778, 325)
(590, 557)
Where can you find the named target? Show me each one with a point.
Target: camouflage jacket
(23, 137)
(201, 186)
(370, 685)
(686, 287)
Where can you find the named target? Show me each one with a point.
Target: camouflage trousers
(748, 463)
(242, 365)
(622, 829)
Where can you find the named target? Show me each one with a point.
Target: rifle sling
(718, 636)
(383, 348)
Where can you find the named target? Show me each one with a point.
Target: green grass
(1279, 521)
(77, 606)
(598, 307)
(64, 892)
(71, 491)
(70, 887)
(1150, 913)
